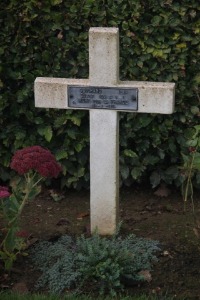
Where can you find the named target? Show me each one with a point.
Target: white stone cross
(103, 94)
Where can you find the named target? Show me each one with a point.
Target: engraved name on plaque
(103, 98)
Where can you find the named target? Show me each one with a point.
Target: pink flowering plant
(4, 193)
(33, 164)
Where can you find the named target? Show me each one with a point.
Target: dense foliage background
(159, 41)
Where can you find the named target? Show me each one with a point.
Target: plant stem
(192, 199)
(40, 179)
(29, 186)
(189, 182)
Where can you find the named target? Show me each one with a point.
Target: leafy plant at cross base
(99, 264)
(34, 163)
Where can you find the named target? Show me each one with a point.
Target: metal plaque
(92, 97)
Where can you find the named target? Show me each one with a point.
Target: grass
(13, 296)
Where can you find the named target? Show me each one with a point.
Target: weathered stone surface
(104, 129)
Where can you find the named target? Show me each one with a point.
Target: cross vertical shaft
(104, 133)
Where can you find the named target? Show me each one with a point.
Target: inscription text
(103, 98)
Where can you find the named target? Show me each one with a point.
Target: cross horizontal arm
(52, 92)
(153, 97)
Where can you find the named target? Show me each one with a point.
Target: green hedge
(159, 41)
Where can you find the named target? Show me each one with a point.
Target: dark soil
(159, 217)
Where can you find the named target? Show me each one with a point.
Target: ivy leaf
(48, 133)
(45, 131)
(124, 170)
(172, 172)
(76, 120)
(130, 153)
(150, 159)
(195, 110)
(81, 172)
(136, 172)
(197, 127)
(197, 78)
(196, 162)
(78, 147)
(181, 45)
(71, 133)
(56, 2)
(192, 143)
(72, 179)
(156, 20)
(60, 154)
(155, 179)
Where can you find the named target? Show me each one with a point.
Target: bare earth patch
(145, 213)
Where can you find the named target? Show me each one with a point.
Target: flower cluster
(4, 193)
(35, 158)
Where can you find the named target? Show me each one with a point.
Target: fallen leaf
(146, 275)
(30, 242)
(4, 286)
(82, 215)
(55, 196)
(196, 232)
(165, 253)
(157, 290)
(5, 276)
(60, 35)
(36, 221)
(149, 208)
(162, 191)
(196, 229)
(87, 230)
(23, 234)
(20, 287)
(4, 230)
(63, 221)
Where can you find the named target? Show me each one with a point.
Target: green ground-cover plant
(13, 296)
(33, 165)
(159, 41)
(99, 264)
